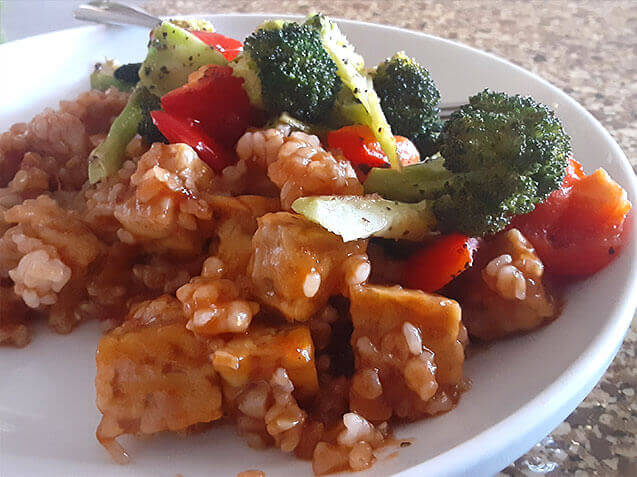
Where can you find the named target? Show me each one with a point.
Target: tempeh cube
(296, 265)
(153, 375)
(408, 350)
(255, 355)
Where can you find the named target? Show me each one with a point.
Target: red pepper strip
(179, 130)
(217, 100)
(228, 47)
(580, 228)
(432, 267)
(359, 145)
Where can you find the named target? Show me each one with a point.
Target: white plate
(522, 387)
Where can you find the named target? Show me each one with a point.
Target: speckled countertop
(587, 48)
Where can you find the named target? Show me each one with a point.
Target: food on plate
(272, 232)
(409, 98)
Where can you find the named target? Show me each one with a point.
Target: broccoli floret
(107, 157)
(502, 155)
(409, 98)
(295, 73)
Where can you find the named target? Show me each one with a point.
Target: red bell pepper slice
(180, 130)
(432, 267)
(228, 47)
(359, 145)
(580, 228)
(217, 101)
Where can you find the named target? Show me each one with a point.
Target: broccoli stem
(174, 53)
(108, 156)
(425, 180)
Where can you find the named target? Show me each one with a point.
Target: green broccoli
(109, 74)
(409, 99)
(286, 69)
(501, 155)
(128, 73)
(146, 128)
(107, 157)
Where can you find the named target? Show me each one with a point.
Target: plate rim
(485, 451)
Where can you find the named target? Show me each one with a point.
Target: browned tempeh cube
(256, 354)
(296, 265)
(153, 375)
(408, 350)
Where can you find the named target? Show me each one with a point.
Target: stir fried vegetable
(181, 130)
(432, 267)
(228, 47)
(354, 217)
(293, 71)
(107, 157)
(108, 74)
(580, 228)
(359, 104)
(409, 99)
(174, 53)
(359, 145)
(216, 100)
(502, 155)
(496, 158)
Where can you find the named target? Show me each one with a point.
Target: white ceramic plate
(522, 387)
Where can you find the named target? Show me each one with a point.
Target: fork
(114, 13)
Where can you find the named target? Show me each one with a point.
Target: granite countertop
(587, 48)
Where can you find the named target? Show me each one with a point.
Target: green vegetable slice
(174, 53)
(107, 158)
(359, 217)
(350, 68)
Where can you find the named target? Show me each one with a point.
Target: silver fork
(113, 13)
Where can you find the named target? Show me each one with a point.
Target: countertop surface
(586, 48)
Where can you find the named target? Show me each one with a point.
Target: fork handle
(115, 13)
